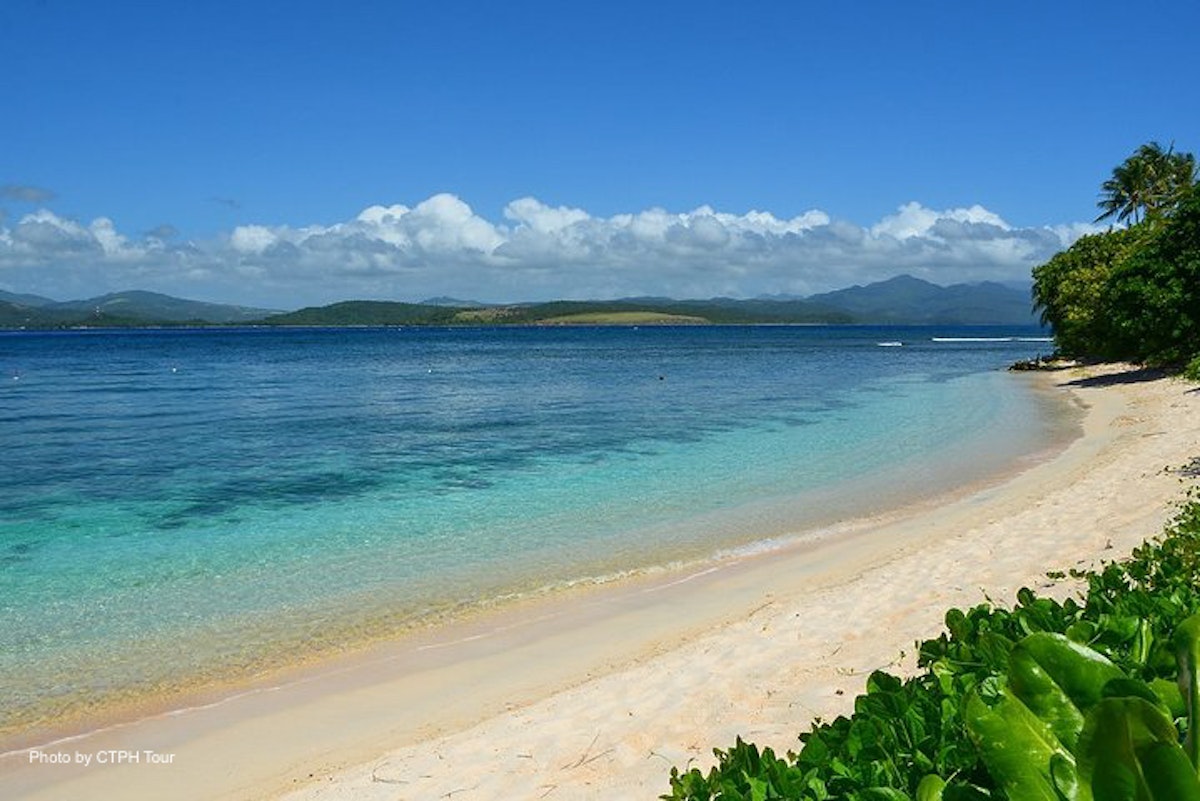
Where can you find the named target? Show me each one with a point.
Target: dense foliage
(1045, 700)
(1154, 293)
(1192, 371)
(1133, 293)
(1070, 289)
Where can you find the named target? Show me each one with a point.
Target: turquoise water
(183, 505)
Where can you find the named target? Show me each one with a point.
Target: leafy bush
(910, 738)
(1069, 289)
(1192, 371)
(1152, 297)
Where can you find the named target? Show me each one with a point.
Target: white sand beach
(596, 694)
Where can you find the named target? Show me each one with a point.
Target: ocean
(184, 506)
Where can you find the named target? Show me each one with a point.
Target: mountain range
(122, 309)
(900, 300)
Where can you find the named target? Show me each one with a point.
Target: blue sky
(305, 152)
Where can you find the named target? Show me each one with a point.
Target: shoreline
(517, 694)
(698, 539)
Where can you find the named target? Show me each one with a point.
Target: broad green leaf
(1058, 679)
(1129, 751)
(881, 682)
(758, 788)
(1039, 692)
(957, 624)
(1169, 696)
(1187, 653)
(931, 788)
(1020, 749)
(1143, 641)
(1081, 631)
(1064, 777)
(1080, 671)
(1133, 688)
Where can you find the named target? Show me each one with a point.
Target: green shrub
(904, 731)
(1192, 371)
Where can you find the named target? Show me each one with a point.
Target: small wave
(890, 344)
(974, 339)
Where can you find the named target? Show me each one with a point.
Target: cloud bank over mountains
(441, 246)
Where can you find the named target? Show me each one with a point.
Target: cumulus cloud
(441, 245)
(535, 215)
(914, 220)
(26, 194)
(252, 239)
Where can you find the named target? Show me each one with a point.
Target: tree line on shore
(1132, 293)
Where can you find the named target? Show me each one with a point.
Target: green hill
(119, 310)
(367, 313)
(24, 300)
(908, 300)
(565, 312)
(156, 307)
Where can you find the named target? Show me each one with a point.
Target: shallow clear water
(177, 505)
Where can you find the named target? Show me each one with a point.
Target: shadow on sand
(1133, 375)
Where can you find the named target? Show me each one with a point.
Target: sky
(288, 154)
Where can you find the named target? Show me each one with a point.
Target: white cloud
(44, 236)
(112, 243)
(536, 216)
(445, 223)
(914, 220)
(441, 246)
(252, 239)
(1071, 232)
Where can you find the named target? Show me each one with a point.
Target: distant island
(903, 300)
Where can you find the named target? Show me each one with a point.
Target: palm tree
(1148, 184)
(1124, 194)
(1178, 175)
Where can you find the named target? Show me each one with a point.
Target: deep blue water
(177, 504)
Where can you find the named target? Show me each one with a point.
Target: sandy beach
(597, 694)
